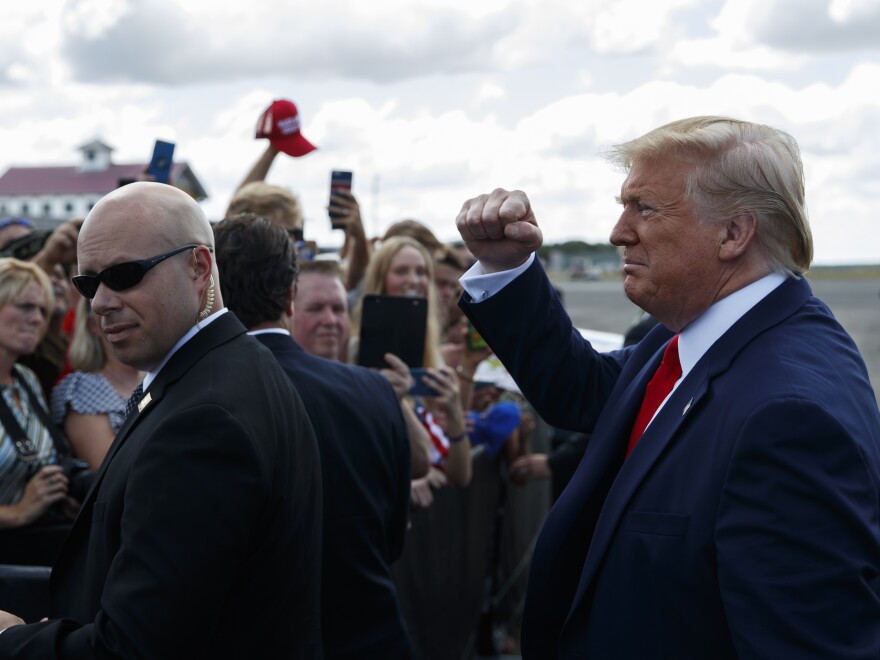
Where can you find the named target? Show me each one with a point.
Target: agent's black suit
(201, 536)
(365, 459)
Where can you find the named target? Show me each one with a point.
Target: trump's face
(670, 259)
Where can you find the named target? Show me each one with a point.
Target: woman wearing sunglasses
(29, 482)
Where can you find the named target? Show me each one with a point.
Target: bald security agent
(201, 535)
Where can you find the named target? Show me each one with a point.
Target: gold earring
(209, 301)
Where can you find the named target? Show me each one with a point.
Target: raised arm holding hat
(281, 125)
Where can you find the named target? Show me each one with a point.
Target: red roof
(71, 180)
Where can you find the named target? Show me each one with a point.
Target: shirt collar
(151, 375)
(269, 331)
(697, 338)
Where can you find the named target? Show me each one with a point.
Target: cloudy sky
(431, 102)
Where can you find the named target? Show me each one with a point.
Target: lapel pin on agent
(143, 403)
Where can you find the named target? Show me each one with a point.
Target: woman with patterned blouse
(89, 403)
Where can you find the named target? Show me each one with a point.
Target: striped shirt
(14, 474)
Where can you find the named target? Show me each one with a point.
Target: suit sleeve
(190, 505)
(558, 371)
(797, 538)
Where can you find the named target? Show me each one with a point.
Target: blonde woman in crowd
(402, 267)
(30, 482)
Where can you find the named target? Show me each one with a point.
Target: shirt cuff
(481, 285)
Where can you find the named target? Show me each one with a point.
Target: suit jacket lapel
(684, 402)
(220, 331)
(604, 452)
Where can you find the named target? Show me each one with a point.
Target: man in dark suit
(365, 454)
(743, 521)
(200, 537)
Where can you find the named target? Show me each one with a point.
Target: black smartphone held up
(392, 324)
(339, 180)
(160, 164)
(420, 387)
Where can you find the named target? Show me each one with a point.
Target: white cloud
(629, 26)
(90, 19)
(780, 35)
(430, 102)
(187, 43)
(27, 40)
(850, 11)
(806, 26)
(491, 91)
(726, 53)
(732, 44)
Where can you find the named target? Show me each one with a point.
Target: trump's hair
(738, 168)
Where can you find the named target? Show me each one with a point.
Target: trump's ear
(738, 233)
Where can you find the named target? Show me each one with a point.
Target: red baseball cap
(281, 125)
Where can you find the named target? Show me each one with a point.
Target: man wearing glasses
(201, 535)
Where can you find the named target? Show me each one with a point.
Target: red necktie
(658, 388)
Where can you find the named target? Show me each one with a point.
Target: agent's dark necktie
(135, 398)
(658, 388)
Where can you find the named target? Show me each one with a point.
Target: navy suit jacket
(365, 461)
(745, 521)
(200, 537)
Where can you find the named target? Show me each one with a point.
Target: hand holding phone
(340, 181)
(392, 324)
(420, 387)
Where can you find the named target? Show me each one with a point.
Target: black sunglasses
(126, 275)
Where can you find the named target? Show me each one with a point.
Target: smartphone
(421, 388)
(473, 340)
(340, 180)
(392, 324)
(160, 164)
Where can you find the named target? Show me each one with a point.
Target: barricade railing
(461, 579)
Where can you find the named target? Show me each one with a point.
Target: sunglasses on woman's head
(126, 275)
